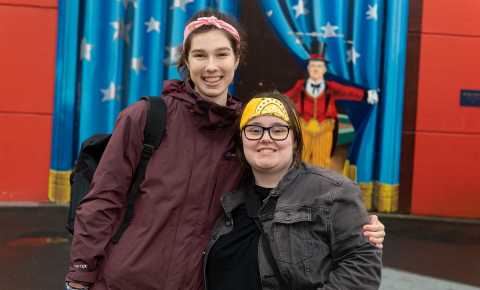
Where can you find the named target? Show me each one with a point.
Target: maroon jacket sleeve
(295, 93)
(340, 91)
(99, 214)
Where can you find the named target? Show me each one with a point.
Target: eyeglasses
(276, 133)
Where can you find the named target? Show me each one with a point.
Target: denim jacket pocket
(291, 238)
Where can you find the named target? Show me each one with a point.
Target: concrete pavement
(393, 279)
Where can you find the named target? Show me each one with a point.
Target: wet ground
(33, 248)
(419, 253)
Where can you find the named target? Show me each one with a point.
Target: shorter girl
(288, 225)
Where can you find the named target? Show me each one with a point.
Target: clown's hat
(317, 51)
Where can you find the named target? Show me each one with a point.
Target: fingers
(380, 246)
(373, 220)
(376, 240)
(372, 228)
(374, 231)
(374, 234)
(374, 225)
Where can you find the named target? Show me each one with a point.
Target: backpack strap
(156, 119)
(152, 137)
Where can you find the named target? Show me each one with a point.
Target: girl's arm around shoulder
(357, 263)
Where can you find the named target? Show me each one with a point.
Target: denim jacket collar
(231, 200)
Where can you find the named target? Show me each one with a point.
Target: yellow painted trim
(379, 196)
(353, 172)
(350, 170)
(346, 167)
(367, 194)
(386, 197)
(59, 186)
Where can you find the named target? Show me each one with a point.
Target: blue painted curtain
(365, 39)
(109, 54)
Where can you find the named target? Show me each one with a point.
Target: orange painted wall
(27, 71)
(446, 162)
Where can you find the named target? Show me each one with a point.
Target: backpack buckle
(147, 150)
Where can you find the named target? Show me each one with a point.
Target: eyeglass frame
(269, 133)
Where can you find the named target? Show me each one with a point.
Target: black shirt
(232, 261)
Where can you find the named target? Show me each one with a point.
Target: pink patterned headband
(212, 20)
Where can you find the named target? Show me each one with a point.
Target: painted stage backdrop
(110, 53)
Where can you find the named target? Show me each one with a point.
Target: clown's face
(316, 70)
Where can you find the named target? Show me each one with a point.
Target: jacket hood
(217, 115)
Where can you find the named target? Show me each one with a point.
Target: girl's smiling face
(212, 63)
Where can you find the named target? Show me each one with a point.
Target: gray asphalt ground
(420, 253)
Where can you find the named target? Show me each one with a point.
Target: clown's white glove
(372, 97)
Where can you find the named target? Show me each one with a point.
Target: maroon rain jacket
(179, 201)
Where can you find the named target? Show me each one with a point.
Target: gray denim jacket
(314, 232)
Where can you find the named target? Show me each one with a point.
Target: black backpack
(91, 151)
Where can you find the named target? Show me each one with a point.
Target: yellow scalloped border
(378, 196)
(59, 186)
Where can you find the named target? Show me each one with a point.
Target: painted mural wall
(441, 138)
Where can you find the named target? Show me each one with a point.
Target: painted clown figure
(315, 100)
